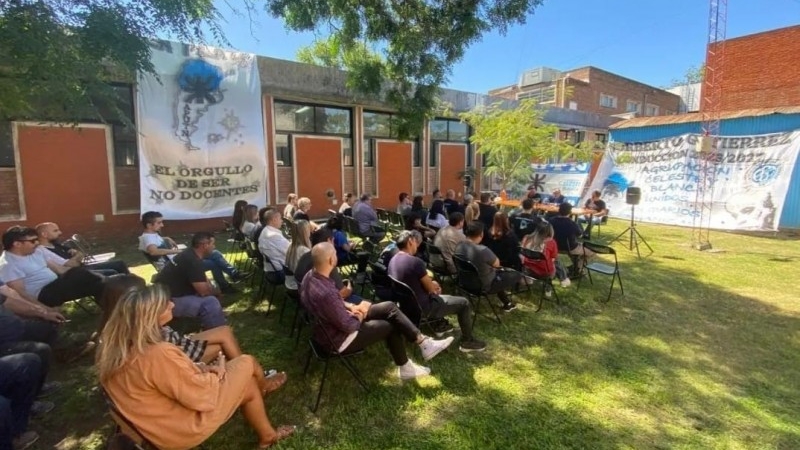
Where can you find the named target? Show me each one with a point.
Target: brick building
(592, 90)
(760, 70)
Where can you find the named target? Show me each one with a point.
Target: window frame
(637, 109)
(346, 162)
(613, 104)
(433, 160)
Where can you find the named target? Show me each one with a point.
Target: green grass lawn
(703, 351)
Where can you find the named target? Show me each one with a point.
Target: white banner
(568, 177)
(751, 178)
(201, 144)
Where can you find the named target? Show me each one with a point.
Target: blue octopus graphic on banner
(199, 84)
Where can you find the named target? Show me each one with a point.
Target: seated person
(262, 223)
(344, 248)
(435, 216)
(347, 204)
(596, 204)
(418, 207)
(306, 263)
(367, 219)
(250, 222)
(301, 213)
(451, 205)
(49, 234)
(414, 223)
(19, 378)
(172, 401)
(40, 276)
(449, 237)
(557, 198)
(408, 269)
(203, 347)
(160, 250)
(272, 243)
(533, 194)
(344, 327)
(566, 234)
(291, 206)
(237, 220)
(471, 208)
(495, 280)
(524, 222)
(300, 245)
(541, 240)
(502, 241)
(404, 206)
(487, 210)
(192, 293)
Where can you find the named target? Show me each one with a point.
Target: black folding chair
(126, 435)
(437, 264)
(602, 267)
(546, 281)
(273, 276)
(409, 304)
(468, 280)
(378, 278)
(323, 353)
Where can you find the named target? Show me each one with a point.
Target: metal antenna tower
(711, 109)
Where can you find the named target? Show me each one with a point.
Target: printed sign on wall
(751, 176)
(201, 143)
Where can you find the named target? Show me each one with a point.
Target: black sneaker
(441, 327)
(49, 388)
(510, 306)
(472, 346)
(239, 276)
(41, 407)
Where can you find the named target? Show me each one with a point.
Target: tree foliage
(420, 42)
(58, 56)
(693, 74)
(512, 139)
(355, 57)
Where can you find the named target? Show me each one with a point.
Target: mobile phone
(66, 321)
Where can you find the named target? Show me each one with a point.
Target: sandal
(283, 432)
(274, 383)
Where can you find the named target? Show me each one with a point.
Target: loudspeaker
(633, 195)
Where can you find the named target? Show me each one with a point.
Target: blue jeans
(219, 266)
(207, 309)
(19, 375)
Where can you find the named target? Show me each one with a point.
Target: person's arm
(153, 250)
(177, 377)
(19, 287)
(197, 276)
(430, 286)
(59, 269)
(21, 306)
(333, 311)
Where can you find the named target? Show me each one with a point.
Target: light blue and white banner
(201, 132)
(570, 178)
(751, 176)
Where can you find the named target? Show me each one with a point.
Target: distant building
(760, 70)
(690, 97)
(590, 89)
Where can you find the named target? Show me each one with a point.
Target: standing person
(345, 327)
(404, 205)
(172, 401)
(504, 243)
(192, 293)
(367, 219)
(291, 206)
(541, 240)
(250, 221)
(495, 280)
(566, 234)
(436, 216)
(450, 203)
(161, 250)
(596, 204)
(347, 203)
(471, 208)
(408, 269)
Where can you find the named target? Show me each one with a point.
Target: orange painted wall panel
(318, 165)
(394, 172)
(452, 161)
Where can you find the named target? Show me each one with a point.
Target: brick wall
(350, 181)
(760, 70)
(416, 180)
(433, 179)
(9, 194)
(285, 183)
(127, 188)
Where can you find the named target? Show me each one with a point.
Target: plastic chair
(600, 266)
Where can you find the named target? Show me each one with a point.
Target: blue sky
(652, 41)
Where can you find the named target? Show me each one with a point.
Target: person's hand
(437, 289)
(358, 314)
(219, 367)
(72, 252)
(363, 307)
(54, 316)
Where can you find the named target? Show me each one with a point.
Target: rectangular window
(632, 106)
(564, 135)
(6, 145)
(332, 120)
(417, 155)
(608, 101)
(447, 130)
(470, 154)
(433, 154)
(652, 110)
(369, 152)
(378, 125)
(602, 138)
(579, 136)
(347, 152)
(283, 149)
(125, 149)
(123, 135)
(294, 117)
(546, 94)
(438, 130)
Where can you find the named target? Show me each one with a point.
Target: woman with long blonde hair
(301, 244)
(173, 402)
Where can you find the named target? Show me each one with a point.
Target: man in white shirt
(40, 276)
(160, 250)
(272, 243)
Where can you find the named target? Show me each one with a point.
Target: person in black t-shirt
(566, 233)
(451, 205)
(192, 293)
(600, 210)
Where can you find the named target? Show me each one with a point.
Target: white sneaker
(565, 282)
(431, 347)
(411, 370)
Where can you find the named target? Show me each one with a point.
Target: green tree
(513, 138)
(420, 42)
(694, 74)
(58, 56)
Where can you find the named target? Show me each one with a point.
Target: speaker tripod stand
(634, 236)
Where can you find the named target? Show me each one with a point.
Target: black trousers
(108, 268)
(18, 377)
(77, 283)
(504, 281)
(385, 322)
